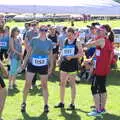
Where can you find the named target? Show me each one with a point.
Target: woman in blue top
(15, 54)
(38, 55)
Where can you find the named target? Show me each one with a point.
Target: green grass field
(83, 101)
(83, 98)
(112, 23)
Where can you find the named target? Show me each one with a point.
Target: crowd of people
(45, 47)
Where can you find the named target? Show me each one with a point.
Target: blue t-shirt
(31, 33)
(91, 51)
(4, 41)
(40, 48)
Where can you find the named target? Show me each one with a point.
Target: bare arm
(80, 49)
(4, 71)
(29, 52)
(51, 59)
(99, 42)
(11, 44)
(26, 43)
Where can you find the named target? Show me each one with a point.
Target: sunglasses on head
(43, 30)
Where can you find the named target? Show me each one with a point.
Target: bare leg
(103, 100)
(54, 62)
(14, 79)
(73, 88)
(10, 82)
(28, 82)
(44, 79)
(97, 101)
(3, 94)
(63, 78)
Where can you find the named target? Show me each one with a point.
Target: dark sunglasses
(43, 30)
(33, 24)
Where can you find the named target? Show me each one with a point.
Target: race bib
(68, 51)
(3, 44)
(97, 52)
(39, 60)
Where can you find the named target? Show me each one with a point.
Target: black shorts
(56, 50)
(43, 70)
(2, 84)
(3, 52)
(98, 84)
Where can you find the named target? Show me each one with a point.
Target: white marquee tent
(94, 7)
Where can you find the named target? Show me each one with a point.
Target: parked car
(116, 32)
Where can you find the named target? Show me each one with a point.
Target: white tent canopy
(95, 7)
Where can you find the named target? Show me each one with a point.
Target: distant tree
(117, 1)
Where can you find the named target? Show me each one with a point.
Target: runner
(3, 91)
(31, 33)
(52, 35)
(104, 48)
(71, 52)
(4, 40)
(39, 60)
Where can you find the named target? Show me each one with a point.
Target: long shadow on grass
(13, 92)
(54, 77)
(35, 91)
(112, 79)
(108, 117)
(70, 116)
(21, 76)
(43, 116)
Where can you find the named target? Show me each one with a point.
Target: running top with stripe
(69, 50)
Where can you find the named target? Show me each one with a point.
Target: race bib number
(97, 52)
(3, 44)
(68, 51)
(39, 60)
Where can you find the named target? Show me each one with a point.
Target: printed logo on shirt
(39, 60)
(3, 44)
(68, 50)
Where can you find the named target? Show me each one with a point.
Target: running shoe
(60, 105)
(71, 107)
(94, 113)
(46, 108)
(23, 107)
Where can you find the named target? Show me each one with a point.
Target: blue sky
(56, 2)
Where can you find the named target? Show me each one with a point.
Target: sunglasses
(17, 31)
(33, 24)
(43, 30)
